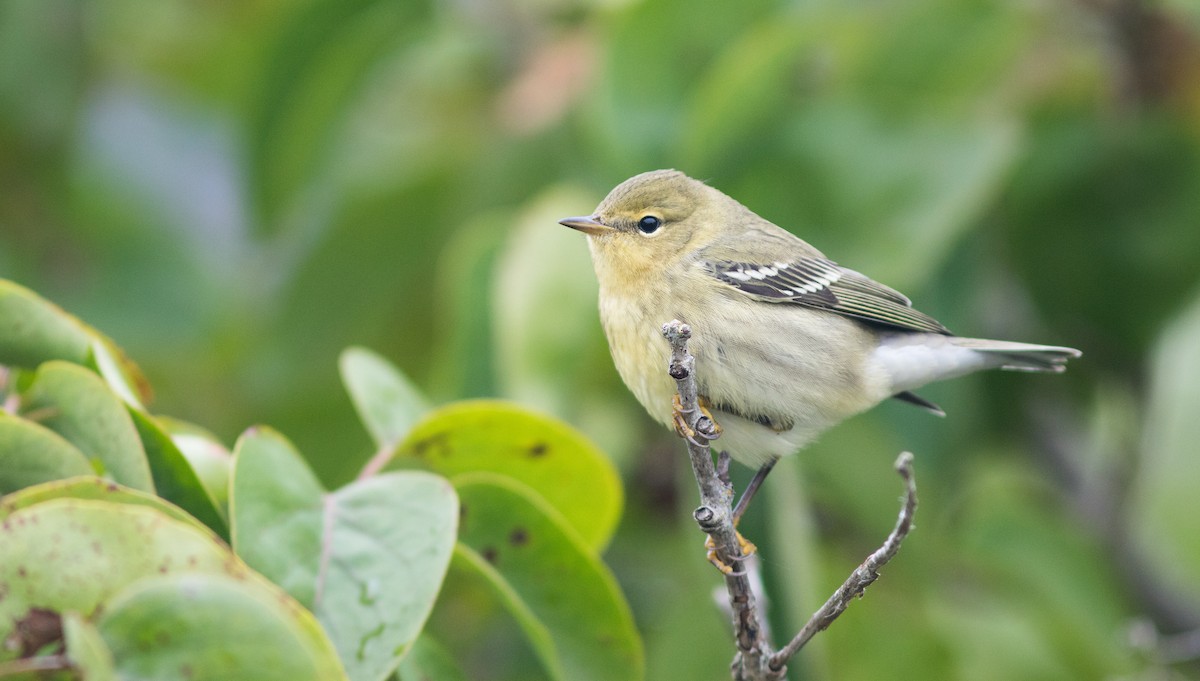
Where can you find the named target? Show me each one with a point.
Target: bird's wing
(817, 282)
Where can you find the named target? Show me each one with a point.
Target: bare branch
(755, 659)
(864, 575)
(715, 514)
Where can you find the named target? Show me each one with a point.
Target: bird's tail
(912, 360)
(1014, 356)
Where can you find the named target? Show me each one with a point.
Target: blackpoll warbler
(787, 342)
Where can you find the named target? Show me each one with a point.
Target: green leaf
(564, 598)
(368, 559)
(34, 330)
(427, 660)
(544, 311)
(741, 91)
(277, 513)
(1163, 499)
(94, 488)
(121, 374)
(87, 650)
(547, 455)
(31, 453)
(213, 626)
(176, 427)
(75, 403)
(386, 401)
(206, 454)
(1012, 528)
(212, 464)
(174, 477)
(464, 362)
(318, 66)
(73, 554)
(1092, 178)
(901, 192)
(641, 136)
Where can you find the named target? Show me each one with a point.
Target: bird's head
(649, 219)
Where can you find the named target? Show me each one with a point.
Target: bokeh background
(236, 191)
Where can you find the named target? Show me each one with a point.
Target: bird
(787, 343)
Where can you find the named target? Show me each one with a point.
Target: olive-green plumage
(787, 343)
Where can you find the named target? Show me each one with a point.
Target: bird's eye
(649, 224)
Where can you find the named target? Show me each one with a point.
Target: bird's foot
(679, 418)
(748, 549)
(713, 431)
(710, 430)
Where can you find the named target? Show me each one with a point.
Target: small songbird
(787, 342)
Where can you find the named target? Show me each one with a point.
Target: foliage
(115, 564)
(237, 191)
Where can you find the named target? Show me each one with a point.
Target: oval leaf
(207, 455)
(34, 330)
(212, 626)
(92, 487)
(76, 404)
(386, 401)
(174, 477)
(368, 559)
(564, 598)
(212, 464)
(88, 652)
(31, 454)
(545, 454)
(73, 554)
(122, 375)
(276, 512)
(427, 660)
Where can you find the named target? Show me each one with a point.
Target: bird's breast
(780, 373)
(633, 325)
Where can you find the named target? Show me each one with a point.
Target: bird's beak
(586, 224)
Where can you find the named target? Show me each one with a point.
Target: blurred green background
(235, 191)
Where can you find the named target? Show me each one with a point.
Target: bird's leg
(679, 417)
(751, 489)
(748, 547)
(723, 460)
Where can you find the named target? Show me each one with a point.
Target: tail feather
(1022, 356)
(911, 360)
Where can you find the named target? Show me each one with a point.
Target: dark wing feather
(823, 284)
